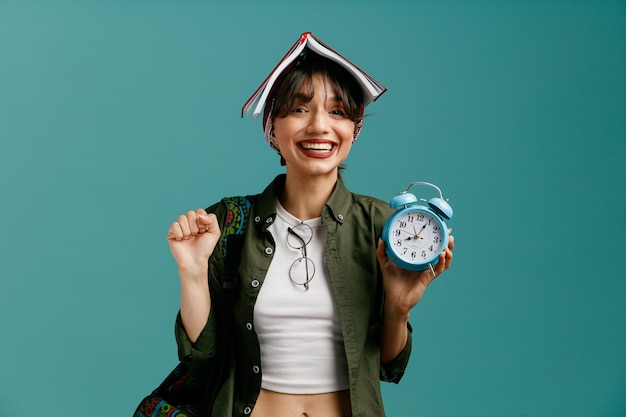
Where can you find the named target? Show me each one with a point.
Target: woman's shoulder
(370, 201)
(367, 199)
(369, 207)
(344, 200)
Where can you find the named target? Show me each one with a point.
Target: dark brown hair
(301, 75)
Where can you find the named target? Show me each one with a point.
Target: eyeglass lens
(299, 236)
(303, 269)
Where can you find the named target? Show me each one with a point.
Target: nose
(318, 122)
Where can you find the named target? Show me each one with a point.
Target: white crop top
(300, 337)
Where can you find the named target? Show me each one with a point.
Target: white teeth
(317, 146)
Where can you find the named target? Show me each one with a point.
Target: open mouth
(317, 147)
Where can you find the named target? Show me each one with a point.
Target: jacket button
(247, 410)
(340, 217)
(257, 219)
(249, 326)
(255, 369)
(269, 250)
(255, 283)
(269, 220)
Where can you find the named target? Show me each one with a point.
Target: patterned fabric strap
(156, 407)
(236, 222)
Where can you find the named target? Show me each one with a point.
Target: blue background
(116, 116)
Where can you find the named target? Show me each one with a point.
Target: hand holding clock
(404, 288)
(409, 265)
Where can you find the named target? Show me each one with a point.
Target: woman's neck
(305, 197)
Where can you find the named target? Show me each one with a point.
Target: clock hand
(409, 233)
(417, 235)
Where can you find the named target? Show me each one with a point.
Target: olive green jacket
(354, 224)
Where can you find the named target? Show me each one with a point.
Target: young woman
(320, 317)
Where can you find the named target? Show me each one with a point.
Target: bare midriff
(278, 404)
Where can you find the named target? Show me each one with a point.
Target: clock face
(416, 236)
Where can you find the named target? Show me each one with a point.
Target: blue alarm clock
(415, 234)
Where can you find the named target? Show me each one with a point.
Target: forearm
(394, 332)
(195, 303)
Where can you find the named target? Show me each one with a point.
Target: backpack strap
(233, 233)
(234, 230)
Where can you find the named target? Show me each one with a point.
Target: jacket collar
(264, 211)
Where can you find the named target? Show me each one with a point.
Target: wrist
(196, 274)
(396, 312)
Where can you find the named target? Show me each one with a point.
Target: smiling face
(314, 133)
